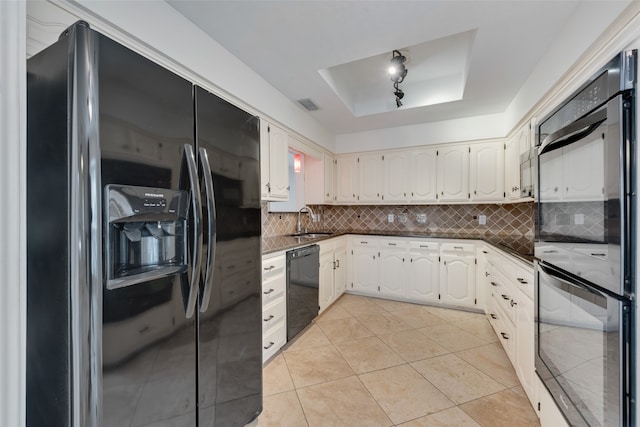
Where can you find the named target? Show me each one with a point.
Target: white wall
(582, 47)
(158, 31)
(12, 212)
(466, 129)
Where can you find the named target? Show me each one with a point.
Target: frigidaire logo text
(153, 195)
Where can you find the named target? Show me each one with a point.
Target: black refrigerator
(143, 244)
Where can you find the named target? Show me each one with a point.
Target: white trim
(12, 212)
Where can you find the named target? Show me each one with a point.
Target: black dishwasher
(303, 279)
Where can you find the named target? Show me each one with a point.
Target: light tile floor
(373, 362)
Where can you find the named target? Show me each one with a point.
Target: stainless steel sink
(311, 235)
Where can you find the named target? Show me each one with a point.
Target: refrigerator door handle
(197, 229)
(211, 214)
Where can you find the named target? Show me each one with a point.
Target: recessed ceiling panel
(437, 73)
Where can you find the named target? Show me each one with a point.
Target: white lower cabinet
(274, 300)
(363, 265)
(457, 274)
(423, 272)
(333, 267)
(392, 255)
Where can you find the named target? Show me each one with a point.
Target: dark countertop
(282, 243)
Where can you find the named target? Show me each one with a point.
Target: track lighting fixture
(398, 72)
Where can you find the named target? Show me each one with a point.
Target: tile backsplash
(509, 224)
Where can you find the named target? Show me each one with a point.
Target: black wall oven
(585, 279)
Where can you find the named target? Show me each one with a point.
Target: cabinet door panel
(329, 172)
(346, 169)
(525, 346)
(487, 171)
(423, 276)
(327, 286)
(340, 273)
(453, 173)
(423, 175)
(396, 177)
(369, 173)
(457, 280)
(364, 270)
(392, 272)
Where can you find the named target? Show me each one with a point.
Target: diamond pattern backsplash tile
(511, 225)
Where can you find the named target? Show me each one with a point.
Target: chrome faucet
(311, 217)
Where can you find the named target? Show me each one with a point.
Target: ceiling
(465, 58)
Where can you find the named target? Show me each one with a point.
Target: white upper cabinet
(369, 178)
(423, 175)
(346, 178)
(487, 172)
(274, 165)
(512, 169)
(453, 173)
(329, 165)
(396, 175)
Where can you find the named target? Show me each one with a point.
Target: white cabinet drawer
(503, 294)
(273, 314)
(273, 340)
(424, 246)
(273, 266)
(506, 332)
(458, 248)
(392, 243)
(273, 289)
(365, 241)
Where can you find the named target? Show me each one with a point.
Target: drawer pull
(493, 316)
(494, 284)
(391, 244)
(364, 243)
(268, 318)
(271, 343)
(504, 335)
(505, 297)
(271, 267)
(513, 303)
(521, 280)
(485, 252)
(424, 246)
(598, 254)
(269, 291)
(337, 263)
(458, 247)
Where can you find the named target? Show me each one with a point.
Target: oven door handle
(574, 131)
(566, 279)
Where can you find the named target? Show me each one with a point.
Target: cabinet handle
(513, 303)
(486, 274)
(521, 280)
(268, 292)
(424, 246)
(271, 343)
(516, 188)
(494, 284)
(596, 254)
(364, 243)
(337, 263)
(268, 318)
(334, 265)
(485, 252)
(505, 297)
(391, 244)
(458, 247)
(271, 267)
(504, 335)
(493, 316)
